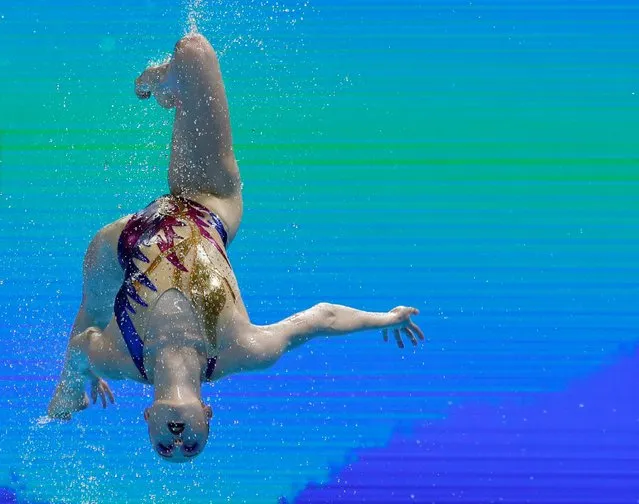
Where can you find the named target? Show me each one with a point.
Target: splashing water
(195, 14)
(41, 421)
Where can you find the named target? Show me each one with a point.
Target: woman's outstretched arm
(265, 344)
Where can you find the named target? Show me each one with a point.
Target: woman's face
(178, 432)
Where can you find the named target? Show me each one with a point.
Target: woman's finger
(410, 334)
(385, 333)
(94, 393)
(109, 393)
(419, 332)
(398, 338)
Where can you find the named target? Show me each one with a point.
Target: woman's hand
(101, 388)
(399, 321)
(71, 399)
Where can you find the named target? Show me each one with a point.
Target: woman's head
(178, 431)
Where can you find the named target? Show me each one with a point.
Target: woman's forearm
(334, 319)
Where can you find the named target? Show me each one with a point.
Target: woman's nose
(175, 427)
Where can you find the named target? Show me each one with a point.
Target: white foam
(41, 421)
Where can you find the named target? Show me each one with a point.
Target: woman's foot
(159, 82)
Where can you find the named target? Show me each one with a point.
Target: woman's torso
(174, 243)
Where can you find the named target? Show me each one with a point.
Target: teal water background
(477, 160)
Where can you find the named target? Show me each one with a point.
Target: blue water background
(526, 392)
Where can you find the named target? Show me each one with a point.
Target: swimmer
(160, 303)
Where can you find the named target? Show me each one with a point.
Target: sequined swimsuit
(168, 243)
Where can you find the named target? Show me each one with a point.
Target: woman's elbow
(324, 318)
(263, 348)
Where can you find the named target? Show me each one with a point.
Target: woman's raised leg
(202, 158)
